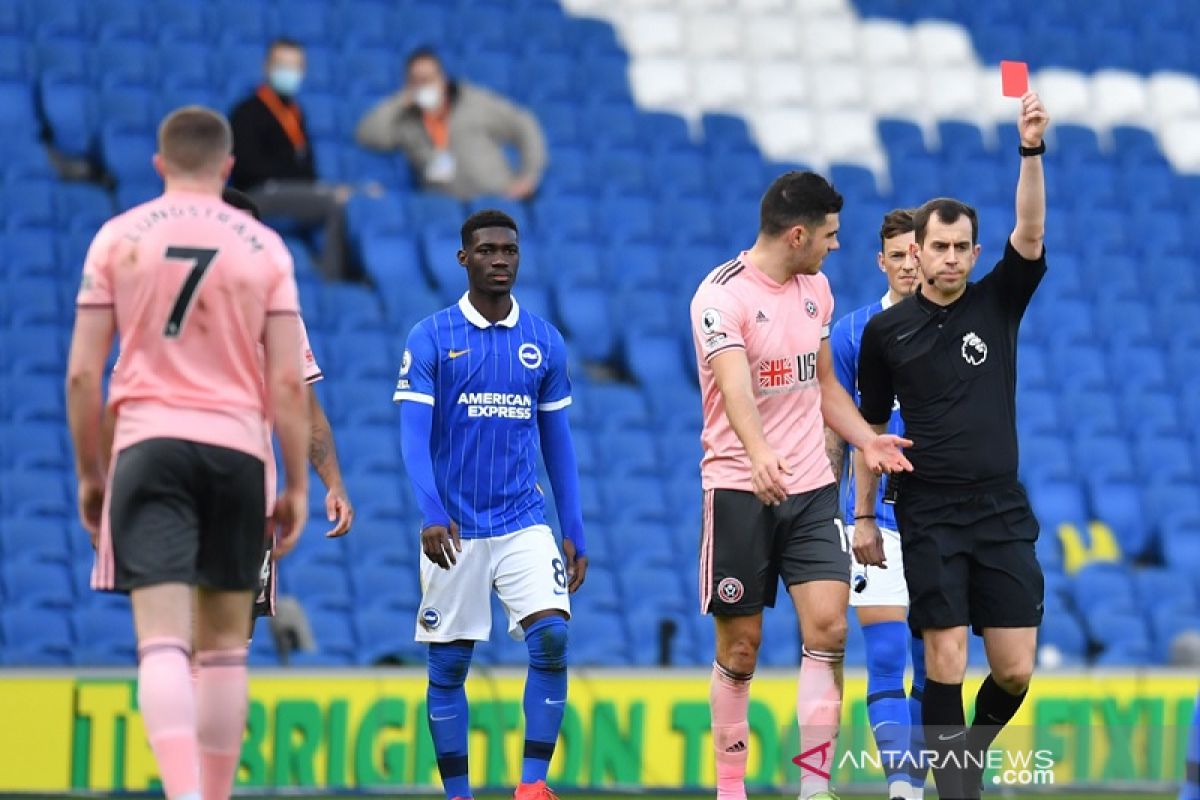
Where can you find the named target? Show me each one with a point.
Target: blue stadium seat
(1056, 501)
(655, 361)
(618, 407)
(351, 307)
(1088, 410)
(334, 634)
(1181, 540)
(35, 637)
(385, 637)
(1184, 361)
(34, 398)
(29, 204)
(34, 539)
(33, 446)
(363, 448)
(359, 355)
(1046, 458)
(376, 542)
(376, 71)
(629, 453)
(627, 219)
(36, 584)
(380, 495)
(358, 403)
(32, 303)
(635, 498)
(599, 638)
(1037, 412)
(1106, 587)
(1118, 502)
(83, 206)
(34, 350)
(363, 24)
(428, 211)
(35, 492)
(1104, 455)
(317, 585)
(104, 637)
(1165, 457)
(180, 22)
(589, 325)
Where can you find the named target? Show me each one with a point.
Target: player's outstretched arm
(558, 450)
(322, 454)
(882, 452)
(290, 412)
(1030, 230)
(90, 343)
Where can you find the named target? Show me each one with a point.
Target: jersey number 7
(201, 258)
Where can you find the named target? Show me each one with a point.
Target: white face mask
(428, 97)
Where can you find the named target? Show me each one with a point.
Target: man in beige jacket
(453, 133)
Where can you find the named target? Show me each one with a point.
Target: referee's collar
(479, 321)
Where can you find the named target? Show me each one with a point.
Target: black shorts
(184, 512)
(746, 547)
(969, 558)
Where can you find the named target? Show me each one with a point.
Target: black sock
(994, 707)
(945, 734)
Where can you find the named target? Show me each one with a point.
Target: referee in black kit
(948, 355)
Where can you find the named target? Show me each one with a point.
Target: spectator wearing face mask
(274, 162)
(454, 133)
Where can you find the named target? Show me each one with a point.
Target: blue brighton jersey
(486, 384)
(844, 342)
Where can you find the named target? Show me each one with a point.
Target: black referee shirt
(953, 370)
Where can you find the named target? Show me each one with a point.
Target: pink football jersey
(780, 328)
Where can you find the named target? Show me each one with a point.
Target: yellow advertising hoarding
(639, 729)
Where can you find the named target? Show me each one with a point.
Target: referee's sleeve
(418, 368)
(876, 395)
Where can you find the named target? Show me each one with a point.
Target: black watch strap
(1032, 151)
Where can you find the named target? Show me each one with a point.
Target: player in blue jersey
(482, 384)
(879, 594)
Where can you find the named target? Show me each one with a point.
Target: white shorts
(525, 568)
(885, 587)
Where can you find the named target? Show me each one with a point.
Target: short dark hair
(424, 51)
(487, 218)
(240, 200)
(948, 210)
(896, 222)
(284, 42)
(797, 198)
(195, 139)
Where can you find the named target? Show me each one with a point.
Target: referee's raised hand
(440, 543)
(885, 453)
(1033, 120)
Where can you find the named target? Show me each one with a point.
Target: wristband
(1032, 151)
(857, 517)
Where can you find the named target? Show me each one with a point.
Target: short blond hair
(195, 139)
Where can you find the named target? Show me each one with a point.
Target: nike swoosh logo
(458, 353)
(550, 702)
(442, 719)
(879, 725)
(560, 591)
(904, 336)
(951, 737)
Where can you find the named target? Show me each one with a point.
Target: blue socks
(917, 731)
(446, 706)
(545, 694)
(1191, 781)
(887, 705)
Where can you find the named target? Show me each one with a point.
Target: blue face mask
(285, 80)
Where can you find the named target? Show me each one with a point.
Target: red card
(1014, 78)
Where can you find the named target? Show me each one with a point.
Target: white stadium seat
(720, 83)
(942, 43)
(771, 6)
(849, 136)
(951, 92)
(1065, 91)
(653, 33)
(659, 82)
(829, 39)
(1118, 98)
(993, 107)
(1180, 142)
(770, 39)
(822, 8)
(714, 34)
(1174, 95)
(885, 42)
(895, 91)
(780, 82)
(838, 86)
(785, 133)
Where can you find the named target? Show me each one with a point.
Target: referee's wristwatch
(1032, 151)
